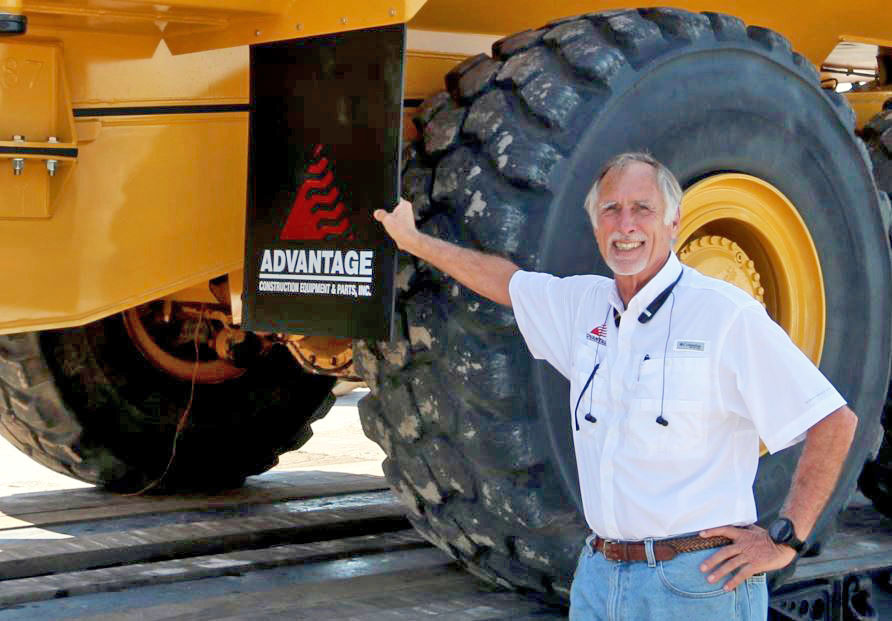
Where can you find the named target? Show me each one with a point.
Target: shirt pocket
(675, 391)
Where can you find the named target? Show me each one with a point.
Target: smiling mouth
(627, 245)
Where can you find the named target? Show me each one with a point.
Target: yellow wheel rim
(745, 231)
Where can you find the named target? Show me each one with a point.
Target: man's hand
(399, 224)
(751, 552)
(486, 274)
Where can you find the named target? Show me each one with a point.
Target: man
(674, 377)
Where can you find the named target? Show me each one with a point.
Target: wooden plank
(197, 538)
(42, 588)
(47, 508)
(406, 585)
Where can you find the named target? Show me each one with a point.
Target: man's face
(630, 231)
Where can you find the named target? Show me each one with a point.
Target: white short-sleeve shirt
(710, 361)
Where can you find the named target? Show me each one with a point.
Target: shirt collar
(662, 279)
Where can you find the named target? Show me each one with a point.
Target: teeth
(627, 245)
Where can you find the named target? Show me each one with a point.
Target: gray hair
(666, 182)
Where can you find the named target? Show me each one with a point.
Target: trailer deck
(310, 544)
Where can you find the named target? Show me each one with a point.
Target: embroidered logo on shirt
(598, 334)
(699, 346)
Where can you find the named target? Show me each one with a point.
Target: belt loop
(649, 551)
(589, 544)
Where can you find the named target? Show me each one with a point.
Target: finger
(731, 532)
(380, 214)
(725, 568)
(745, 572)
(721, 555)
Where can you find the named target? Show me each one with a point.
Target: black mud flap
(325, 130)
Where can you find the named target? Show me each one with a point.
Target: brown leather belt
(664, 549)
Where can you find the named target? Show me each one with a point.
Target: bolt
(392, 12)
(334, 361)
(257, 33)
(343, 20)
(300, 26)
(52, 165)
(18, 163)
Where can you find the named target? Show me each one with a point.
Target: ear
(676, 224)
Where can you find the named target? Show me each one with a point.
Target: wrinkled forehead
(633, 181)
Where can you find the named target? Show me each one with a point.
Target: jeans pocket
(687, 581)
(755, 606)
(757, 579)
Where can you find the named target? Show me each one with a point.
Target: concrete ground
(337, 445)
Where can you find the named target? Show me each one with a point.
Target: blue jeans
(671, 590)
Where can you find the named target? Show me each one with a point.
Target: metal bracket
(38, 142)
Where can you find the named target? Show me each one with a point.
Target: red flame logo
(317, 213)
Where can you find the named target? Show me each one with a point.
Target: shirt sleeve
(545, 307)
(765, 378)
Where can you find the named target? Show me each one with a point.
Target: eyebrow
(644, 202)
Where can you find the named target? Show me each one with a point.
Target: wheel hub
(724, 259)
(160, 334)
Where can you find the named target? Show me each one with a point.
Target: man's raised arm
(485, 274)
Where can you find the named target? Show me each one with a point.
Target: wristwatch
(782, 532)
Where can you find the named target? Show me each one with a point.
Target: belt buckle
(605, 550)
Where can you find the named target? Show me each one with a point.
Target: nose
(626, 220)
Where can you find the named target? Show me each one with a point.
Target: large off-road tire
(84, 402)
(876, 479)
(477, 434)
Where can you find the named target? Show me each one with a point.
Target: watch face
(781, 530)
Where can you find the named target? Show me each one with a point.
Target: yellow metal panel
(107, 69)
(115, 70)
(867, 104)
(298, 20)
(190, 26)
(37, 108)
(156, 204)
(425, 71)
